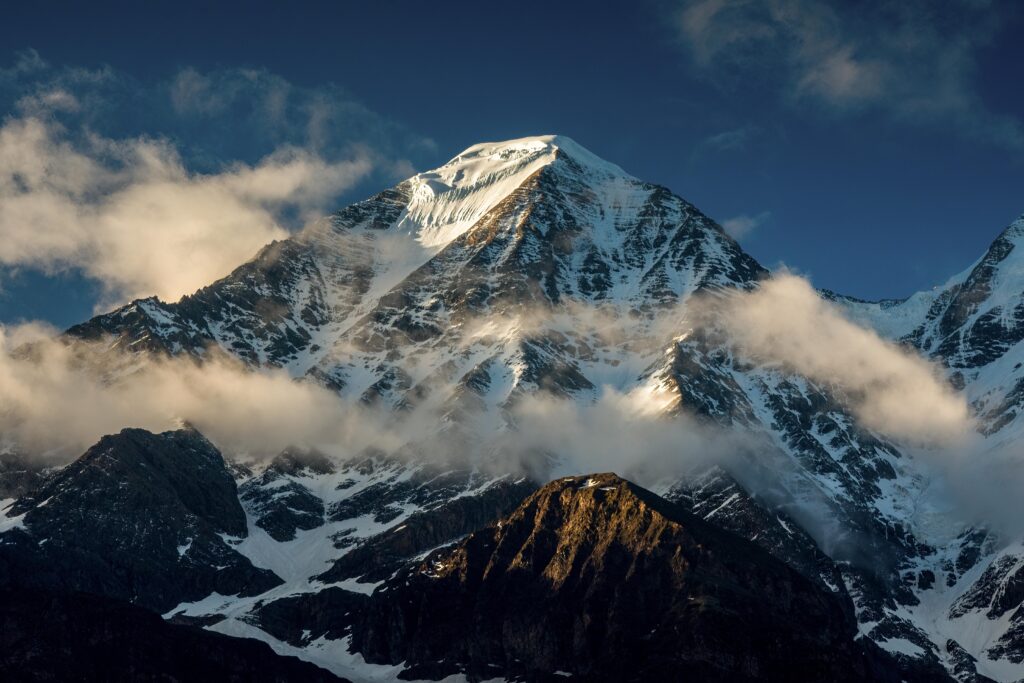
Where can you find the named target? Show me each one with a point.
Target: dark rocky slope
(606, 581)
(49, 636)
(301, 619)
(140, 517)
(381, 556)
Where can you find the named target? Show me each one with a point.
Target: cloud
(213, 116)
(249, 105)
(623, 432)
(130, 214)
(58, 397)
(730, 140)
(61, 398)
(984, 482)
(782, 324)
(914, 61)
(740, 226)
(785, 323)
(890, 389)
(724, 142)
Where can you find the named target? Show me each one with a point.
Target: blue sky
(877, 147)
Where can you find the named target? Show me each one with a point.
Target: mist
(785, 323)
(972, 480)
(59, 397)
(623, 432)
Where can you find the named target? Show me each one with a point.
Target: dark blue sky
(876, 147)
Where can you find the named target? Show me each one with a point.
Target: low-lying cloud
(786, 323)
(76, 392)
(623, 432)
(58, 398)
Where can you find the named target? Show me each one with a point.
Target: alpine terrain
(461, 308)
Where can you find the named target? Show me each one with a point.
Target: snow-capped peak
(547, 146)
(447, 201)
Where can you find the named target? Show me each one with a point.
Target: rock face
(140, 517)
(47, 636)
(604, 580)
(19, 474)
(300, 619)
(718, 499)
(280, 504)
(381, 556)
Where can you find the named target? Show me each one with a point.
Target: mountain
(524, 270)
(538, 220)
(973, 325)
(141, 517)
(605, 581)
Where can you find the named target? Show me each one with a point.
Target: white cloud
(130, 214)
(62, 397)
(740, 226)
(892, 390)
(57, 399)
(623, 432)
(912, 60)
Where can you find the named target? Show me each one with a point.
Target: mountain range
(519, 319)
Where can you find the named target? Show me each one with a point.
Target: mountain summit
(532, 221)
(447, 201)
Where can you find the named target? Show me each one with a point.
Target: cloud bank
(61, 392)
(61, 398)
(625, 432)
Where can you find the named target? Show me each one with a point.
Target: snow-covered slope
(974, 326)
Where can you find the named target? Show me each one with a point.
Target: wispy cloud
(729, 140)
(741, 226)
(916, 61)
